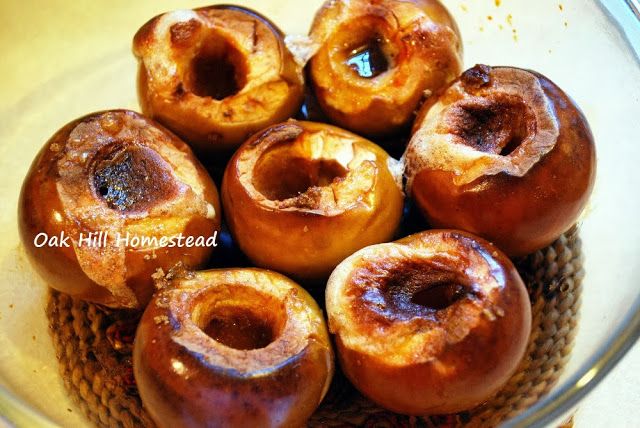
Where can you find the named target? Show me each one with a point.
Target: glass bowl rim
(625, 16)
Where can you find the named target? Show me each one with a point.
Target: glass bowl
(63, 60)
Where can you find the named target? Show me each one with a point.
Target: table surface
(33, 50)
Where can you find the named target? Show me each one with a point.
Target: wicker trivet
(93, 346)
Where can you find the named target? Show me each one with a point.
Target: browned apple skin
(465, 373)
(212, 396)
(384, 117)
(519, 214)
(309, 245)
(209, 134)
(59, 267)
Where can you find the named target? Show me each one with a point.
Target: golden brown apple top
(182, 314)
(412, 37)
(421, 295)
(310, 168)
(491, 120)
(168, 44)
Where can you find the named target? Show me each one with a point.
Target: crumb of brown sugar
(561, 7)
(159, 279)
(490, 18)
(161, 319)
(11, 306)
(498, 2)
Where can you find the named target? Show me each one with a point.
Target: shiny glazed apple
(299, 197)
(215, 75)
(115, 175)
(502, 153)
(232, 348)
(433, 323)
(376, 61)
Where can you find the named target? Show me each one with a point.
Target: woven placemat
(93, 346)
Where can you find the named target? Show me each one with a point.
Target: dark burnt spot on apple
(131, 178)
(476, 77)
(497, 123)
(179, 91)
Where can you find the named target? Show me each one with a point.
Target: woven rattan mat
(93, 346)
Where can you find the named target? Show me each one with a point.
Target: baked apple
(299, 197)
(433, 323)
(377, 60)
(505, 154)
(232, 348)
(216, 75)
(111, 198)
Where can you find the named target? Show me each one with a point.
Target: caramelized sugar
(132, 179)
(409, 288)
(495, 124)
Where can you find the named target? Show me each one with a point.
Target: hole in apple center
(282, 173)
(439, 296)
(496, 123)
(240, 317)
(217, 71)
(369, 60)
(240, 328)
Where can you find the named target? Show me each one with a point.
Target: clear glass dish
(62, 60)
